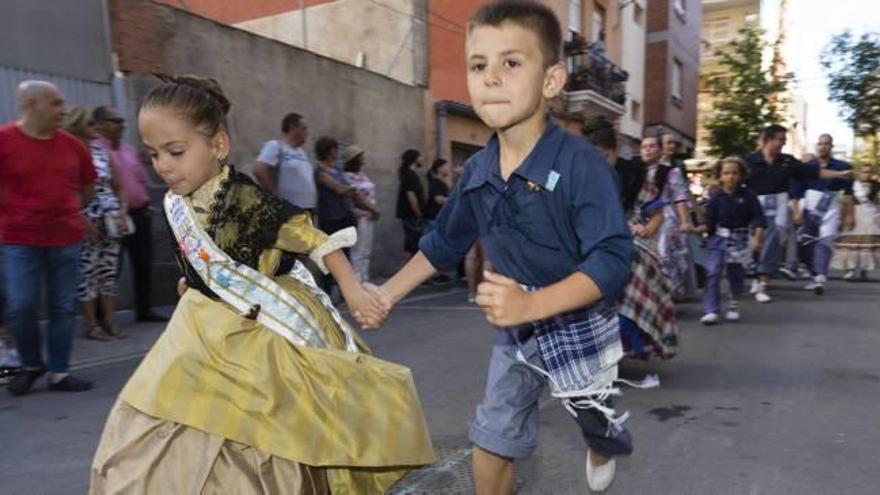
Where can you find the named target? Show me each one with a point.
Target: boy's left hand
(503, 301)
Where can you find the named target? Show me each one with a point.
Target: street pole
(305, 27)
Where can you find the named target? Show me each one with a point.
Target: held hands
(369, 306)
(503, 301)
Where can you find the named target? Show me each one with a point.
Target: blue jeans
(25, 270)
(716, 264)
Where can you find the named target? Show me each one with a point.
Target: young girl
(858, 250)
(257, 385)
(730, 212)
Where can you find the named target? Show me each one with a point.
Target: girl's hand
(367, 307)
(181, 286)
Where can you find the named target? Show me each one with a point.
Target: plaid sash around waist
(736, 244)
(579, 349)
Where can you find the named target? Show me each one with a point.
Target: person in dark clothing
(770, 176)
(439, 182)
(410, 200)
(730, 213)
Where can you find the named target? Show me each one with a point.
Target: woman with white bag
(107, 224)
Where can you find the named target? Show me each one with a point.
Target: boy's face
(507, 80)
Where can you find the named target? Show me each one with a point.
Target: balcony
(595, 84)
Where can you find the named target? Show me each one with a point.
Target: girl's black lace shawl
(244, 221)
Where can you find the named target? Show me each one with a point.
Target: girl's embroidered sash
(253, 294)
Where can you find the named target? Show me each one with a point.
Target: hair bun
(207, 84)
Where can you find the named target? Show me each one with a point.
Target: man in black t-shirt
(410, 200)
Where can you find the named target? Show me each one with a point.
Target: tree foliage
(746, 95)
(853, 69)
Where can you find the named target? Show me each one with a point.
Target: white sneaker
(762, 297)
(811, 286)
(789, 274)
(709, 319)
(849, 275)
(756, 287)
(732, 315)
(599, 478)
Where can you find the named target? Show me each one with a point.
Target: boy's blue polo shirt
(557, 213)
(799, 188)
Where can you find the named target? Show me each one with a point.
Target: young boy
(544, 205)
(730, 212)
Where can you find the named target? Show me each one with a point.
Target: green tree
(746, 96)
(853, 69)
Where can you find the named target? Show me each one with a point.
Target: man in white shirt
(283, 166)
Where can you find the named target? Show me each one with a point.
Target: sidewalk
(141, 336)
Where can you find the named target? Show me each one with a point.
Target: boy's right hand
(368, 322)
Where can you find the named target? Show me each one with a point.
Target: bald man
(46, 178)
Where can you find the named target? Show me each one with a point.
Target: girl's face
(730, 175)
(865, 174)
(181, 154)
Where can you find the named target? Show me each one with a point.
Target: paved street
(784, 402)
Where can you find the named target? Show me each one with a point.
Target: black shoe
(23, 382)
(151, 317)
(71, 383)
(7, 373)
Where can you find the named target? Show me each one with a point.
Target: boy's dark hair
(290, 121)
(198, 99)
(599, 131)
(531, 15)
(743, 169)
(324, 146)
(771, 131)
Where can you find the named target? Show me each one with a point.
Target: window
(717, 30)
(575, 15)
(635, 110)
(597, 30)
(677, 74)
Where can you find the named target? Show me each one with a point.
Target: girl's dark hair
(200, 100)
(407, 159)
(324, 146)
(437, 164)
(743, 169)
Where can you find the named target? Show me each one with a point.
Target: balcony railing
(590, 69)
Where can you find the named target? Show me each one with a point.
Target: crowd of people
(756, 216)
(73, 196)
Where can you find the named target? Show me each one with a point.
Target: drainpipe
(440, 112)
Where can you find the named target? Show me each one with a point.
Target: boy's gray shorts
(506, 421)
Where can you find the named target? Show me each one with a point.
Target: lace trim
(205, 196)
(344, 238)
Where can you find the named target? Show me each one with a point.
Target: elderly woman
(107, 224)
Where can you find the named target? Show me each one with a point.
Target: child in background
(730, 213)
